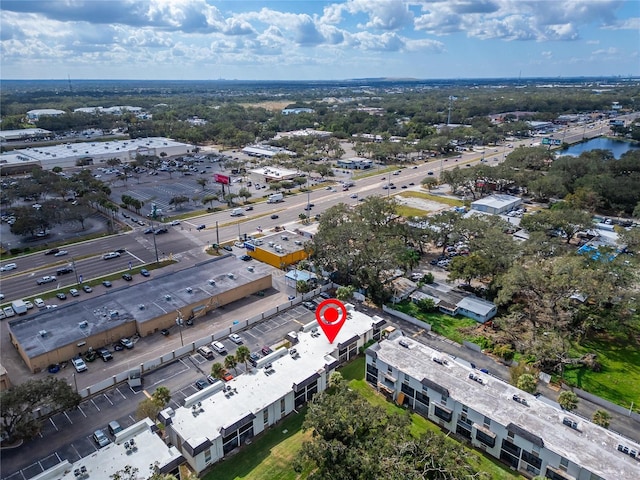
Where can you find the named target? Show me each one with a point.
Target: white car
(61, 253)
(28, 304)
(8, 266)
(79, 364)
(110, 255)
(175, 222)
(235, 338)
(39, 302)
(219, 347)
(74, 293)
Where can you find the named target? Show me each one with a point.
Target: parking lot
(68, 435)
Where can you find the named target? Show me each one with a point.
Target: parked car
(266, 350)
(79, 364)
(201, 383)
(39, 302)
(227, 377)
(74, 293)
(309, 305)
(105, 354)
(253, 358)
(127, 343)
(101, 438)
(206, 352)
(235, 338)
(228, 248)
(127, 277)
(114, 427)
(61, 296)
(87, 288)
(165, 332)
(245, 258)
(219, 347)
(106, 283)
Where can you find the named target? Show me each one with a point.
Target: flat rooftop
(283, 243)
(254, 390)
(498, 200)
(90, 149)
(161, 294)
(149, 450)
(593, 447)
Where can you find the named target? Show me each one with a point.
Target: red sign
(331, 315)
(221, 178)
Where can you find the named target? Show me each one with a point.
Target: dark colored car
(53, 251)
(127, 277)
(144, 272)
(228, 248)
(53, 368)
(161, 230)
(249, 208)
(61, 296)
(274, 216)
(63, 270)
(87, 288)
(201, 227)
(105, 354)
(246, 258)
(266, 350)
(107, 283)
(253, 358)
(165, 332)
(200, 384)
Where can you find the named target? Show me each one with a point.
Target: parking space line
(54, 424)
(76, 450)
(121, 394)
(418, 333)
(82, 412)
(94, 404)
(68, 418)
(108, 399)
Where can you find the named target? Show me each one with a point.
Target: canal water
(617, 147)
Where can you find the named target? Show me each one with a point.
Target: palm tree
(242, 355)
(217, 370)
(231, 362)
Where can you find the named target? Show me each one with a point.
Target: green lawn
(619, 380)
(453, 202)
(441, 323)
(271, 454)
(269, 457)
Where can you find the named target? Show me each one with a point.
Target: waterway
(617, 147)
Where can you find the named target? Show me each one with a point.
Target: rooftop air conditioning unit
(189, 289)
(231, 275)
(43, 333)
(83, 324)
(167, 298)
(212, 282)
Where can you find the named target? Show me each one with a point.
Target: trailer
(19, 307)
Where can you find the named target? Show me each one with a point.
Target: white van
(237, 212)
(8, 311)
(219, 347)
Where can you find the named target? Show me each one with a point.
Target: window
(265, 417)
(488, 439)
(487, 422)
(407, 390)
(564, 463)
(465, 409)
(532, 459)
(511, 448)
(463, 429)
(207, 455)
(442, 413)
(282, 406)
(443, 399)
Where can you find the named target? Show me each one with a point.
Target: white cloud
(606, 51)
(547, 54)
(382, 14)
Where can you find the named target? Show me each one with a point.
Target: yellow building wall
(278, 260)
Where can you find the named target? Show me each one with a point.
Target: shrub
(602, 418)
(568, 400)
(527, 383)
(504, 351)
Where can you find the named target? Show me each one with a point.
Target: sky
(317, 40)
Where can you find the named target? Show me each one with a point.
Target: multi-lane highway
(139, 249)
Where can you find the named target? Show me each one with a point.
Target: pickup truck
(46, 279)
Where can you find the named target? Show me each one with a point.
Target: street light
(180, 323)
(73, 262)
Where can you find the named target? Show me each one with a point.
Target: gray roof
(476, 305)
(591, 446)
(161, 294)
(497, 200)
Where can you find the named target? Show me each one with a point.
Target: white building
(496, 204)
(67, 155)
(355, 163)
(531, 435)
(138, 447)
(24, 134)
(266, 151)
(34, 115)
(215, 421)
(273, 174)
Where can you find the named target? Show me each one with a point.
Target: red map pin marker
(331, 315)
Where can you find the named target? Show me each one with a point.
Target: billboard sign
(224, 179)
